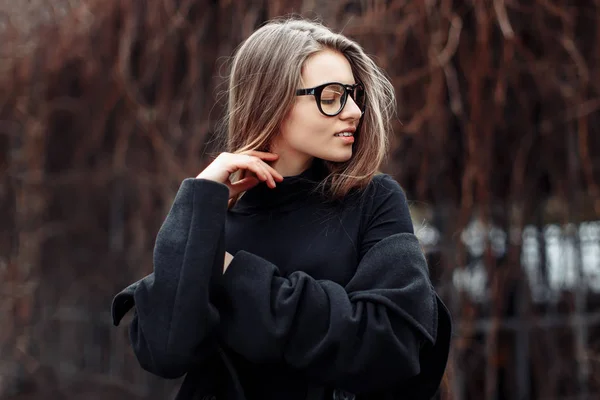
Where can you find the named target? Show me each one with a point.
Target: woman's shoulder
(382, 192)
(382, 186)
(383, 210)
(382, 181)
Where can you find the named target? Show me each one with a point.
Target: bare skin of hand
(228, 259)
(255, 169)
(254, 166)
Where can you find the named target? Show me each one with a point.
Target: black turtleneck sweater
(320, 294)
(294, 254)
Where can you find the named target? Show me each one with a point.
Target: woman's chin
(337, 157)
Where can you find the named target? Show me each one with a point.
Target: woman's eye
(327, 101)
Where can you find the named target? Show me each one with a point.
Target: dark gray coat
(383, 333)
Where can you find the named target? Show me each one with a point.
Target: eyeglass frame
(348, 89)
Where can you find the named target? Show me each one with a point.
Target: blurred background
(106, 105)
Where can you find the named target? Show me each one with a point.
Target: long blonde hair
(265, 73)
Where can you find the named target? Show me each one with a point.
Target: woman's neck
(291, 193)
(291, 166)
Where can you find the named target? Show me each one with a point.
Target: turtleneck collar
(287, 195)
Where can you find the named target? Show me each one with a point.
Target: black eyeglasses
(331, 97)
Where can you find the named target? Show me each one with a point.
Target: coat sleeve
(174, 321)
(364, 337)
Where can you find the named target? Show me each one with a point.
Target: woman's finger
(263, 155)
(271, 179)
(276, 175)
(256, 169)
(257, 166)
(261, 170)
(242, 185)
(250, 163)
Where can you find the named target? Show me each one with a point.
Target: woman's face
(306, 132)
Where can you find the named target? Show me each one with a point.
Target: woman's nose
(351, 110)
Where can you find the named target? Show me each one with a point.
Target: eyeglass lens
(333, 98)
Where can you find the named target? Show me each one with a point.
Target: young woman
(288, 268)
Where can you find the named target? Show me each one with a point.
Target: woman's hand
(255, 169)
(254, 164)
